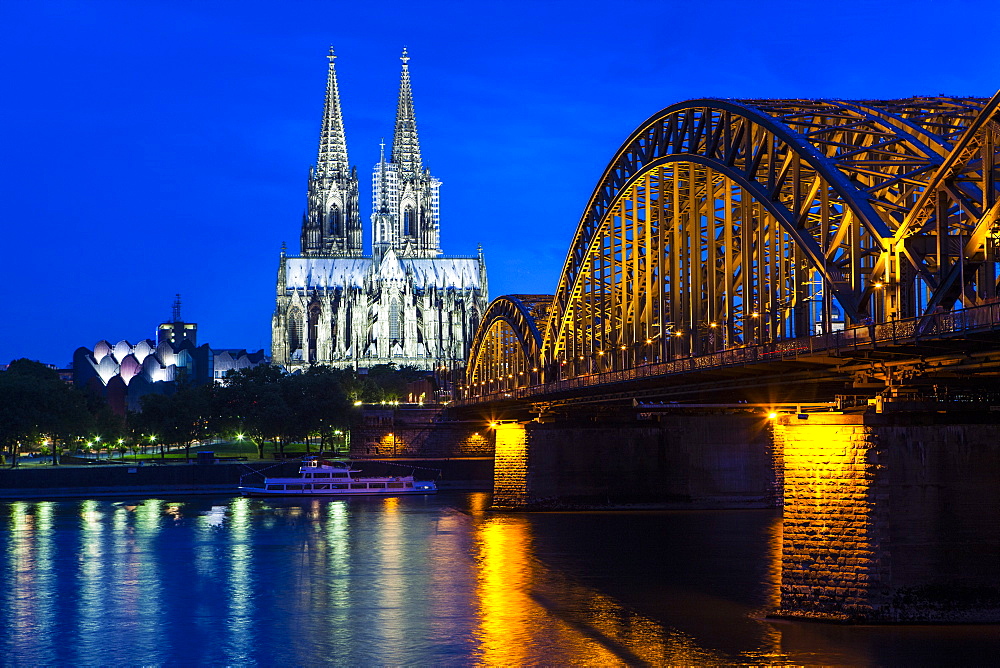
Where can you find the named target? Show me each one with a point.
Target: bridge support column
(890, 518)
(510, 466)
(706, 461)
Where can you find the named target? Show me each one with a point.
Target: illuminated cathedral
(404, 302)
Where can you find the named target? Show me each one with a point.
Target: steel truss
(720, 224)
(506, 347)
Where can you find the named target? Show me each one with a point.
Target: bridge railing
(929, 327)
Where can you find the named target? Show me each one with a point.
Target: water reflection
(410, 580)
(239, 611)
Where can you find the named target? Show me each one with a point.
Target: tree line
(261, 404)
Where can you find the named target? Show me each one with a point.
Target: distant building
(406, 302)
(177, 331)
(126, 372)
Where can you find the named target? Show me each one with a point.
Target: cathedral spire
(405, 145)
(332, 142)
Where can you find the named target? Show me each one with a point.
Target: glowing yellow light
(239, 437)
(600, 352)
(493, 425)
(712, 324)
(679, 334)
(771, 416)
(357, 403)
(878, 284)
(649, 340)
(623, 347)
(755, 315)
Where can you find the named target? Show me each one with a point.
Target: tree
(393, 381)
(252, 402)
(36, 405)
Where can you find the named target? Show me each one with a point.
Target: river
(436, 580)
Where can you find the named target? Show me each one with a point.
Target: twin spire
(332, 140)
(405, 147)
(332, 156)
(405, 211)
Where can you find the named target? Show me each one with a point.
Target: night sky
(152, 148)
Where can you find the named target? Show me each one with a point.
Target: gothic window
(348, 333)
(395, 321)
(408, 221)
(334, 221)
(294, 333)
(473, 323)
(314, 311)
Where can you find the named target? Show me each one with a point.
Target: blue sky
(152, 148)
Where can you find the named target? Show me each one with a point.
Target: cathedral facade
(405, 302)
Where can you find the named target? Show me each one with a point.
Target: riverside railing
(985, 317)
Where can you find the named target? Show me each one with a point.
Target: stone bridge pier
(891, 517)
(722, 460)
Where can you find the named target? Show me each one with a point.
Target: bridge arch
(505, 350)
(724, 223)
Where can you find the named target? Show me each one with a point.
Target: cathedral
(405, 302)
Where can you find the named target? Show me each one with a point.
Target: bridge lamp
(713, 324)
(600, 352)
(534, 368)
(772, 416)
(649, 340)
(878, 284)
(623, 347)
(755, 315)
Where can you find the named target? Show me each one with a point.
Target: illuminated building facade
(406, 302)
(124, 372)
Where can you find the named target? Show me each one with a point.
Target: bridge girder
(506, 346)
(724, 223)
(720, 224)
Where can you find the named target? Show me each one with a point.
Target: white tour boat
(319, 477)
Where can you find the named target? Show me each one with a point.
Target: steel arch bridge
(723, 224)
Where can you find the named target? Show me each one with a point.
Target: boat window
(336, 486)
(338, 475)
(376, 485)
(321, 475)
(293, 486)
(395, 485)
(359, 485)
(321, 485)
(275, 487)
(409, 485)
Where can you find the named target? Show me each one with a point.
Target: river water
(437, 580)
